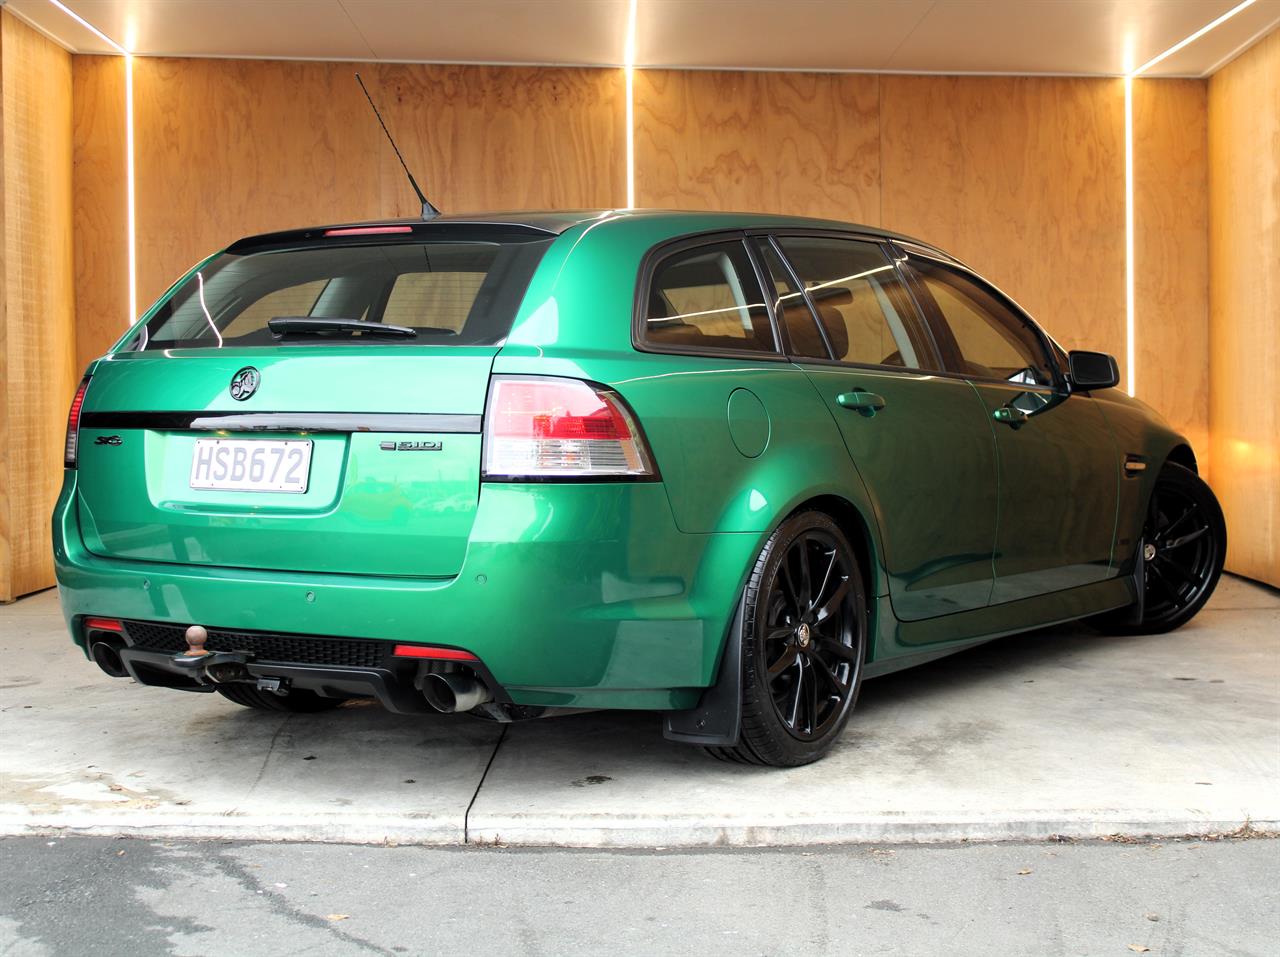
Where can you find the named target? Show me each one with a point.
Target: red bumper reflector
(103, 624)
(426, 651)
(367, 230)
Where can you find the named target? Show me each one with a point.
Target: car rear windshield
(435, 293)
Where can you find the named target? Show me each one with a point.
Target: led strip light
(1130, 328)
(131, 207)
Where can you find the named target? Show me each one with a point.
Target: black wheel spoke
(1187, 538)
(826, 578)
(825, 671)
(1175, 570)
(780, 634)
(791, 588)
(1156, 577)
(796, 691)
(811, 697)
(785, 661)
(1168, 529)
(804, 595)
(833, 603)
(834, 648)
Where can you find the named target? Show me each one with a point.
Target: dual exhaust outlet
(446, 692)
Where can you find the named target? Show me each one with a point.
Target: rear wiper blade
(282, 326)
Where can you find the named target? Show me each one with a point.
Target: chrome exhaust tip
(106, 655)
(448, 693)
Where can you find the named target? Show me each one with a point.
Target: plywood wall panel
(1023, 178)
(804, 144)
(100, 204)
(1171, 254)
(229, 147)
(485, 138)
(37, 319)
(1244, 305)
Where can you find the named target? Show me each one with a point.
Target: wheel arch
(857, 530)
(1181, 454)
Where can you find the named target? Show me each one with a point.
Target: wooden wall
(1244, 326)
(1023, 178)
(37, 375)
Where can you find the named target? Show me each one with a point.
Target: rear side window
(866, 314)
(707, 297)
(448, 293)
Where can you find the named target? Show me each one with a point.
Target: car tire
(803, 644)
(297, 701)
(1185, 539)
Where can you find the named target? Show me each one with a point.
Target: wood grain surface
(1171, 254)
(805, 144)
(100, 203)
(37, 377)
(1022, 178)
(1244, 305)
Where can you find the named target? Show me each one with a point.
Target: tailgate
(390, 436)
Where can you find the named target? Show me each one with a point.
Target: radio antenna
(428, 211)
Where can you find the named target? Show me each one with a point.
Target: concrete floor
(1059, 732)
(122, 898)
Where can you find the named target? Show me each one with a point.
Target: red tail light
(103, 624)
(73, 426)
(427, 651)
(548, 428)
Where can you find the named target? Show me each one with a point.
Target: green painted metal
(604, 594)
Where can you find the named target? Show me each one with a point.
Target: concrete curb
(639, 832)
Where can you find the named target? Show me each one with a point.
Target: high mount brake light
(367, 230)
(72, 447)
(541, 427)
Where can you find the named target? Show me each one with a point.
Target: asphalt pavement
(108, 897)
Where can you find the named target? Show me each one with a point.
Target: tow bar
(216, 667)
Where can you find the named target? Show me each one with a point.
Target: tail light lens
(548, 428)
(73, 426)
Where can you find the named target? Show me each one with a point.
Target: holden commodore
(720, 466)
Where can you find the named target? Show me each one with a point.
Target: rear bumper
(580, 595)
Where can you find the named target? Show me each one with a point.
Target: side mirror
(1092, 370)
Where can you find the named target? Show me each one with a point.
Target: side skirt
(915, 642)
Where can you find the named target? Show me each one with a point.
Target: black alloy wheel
(1184, 542)
(804, 642)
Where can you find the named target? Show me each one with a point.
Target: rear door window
(866, 315)
(448, 293)
(707, 298)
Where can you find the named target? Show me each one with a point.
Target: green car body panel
(612, 593)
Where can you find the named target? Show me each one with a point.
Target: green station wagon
(721, 466)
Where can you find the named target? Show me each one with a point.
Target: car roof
(556, 222)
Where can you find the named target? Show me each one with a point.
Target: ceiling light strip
(1193, 37)
(1130, 326)
(131, 231)
(90, 27)
(629, 69)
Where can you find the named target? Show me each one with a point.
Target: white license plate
(251, 465)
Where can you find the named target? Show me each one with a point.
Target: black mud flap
(717, 720)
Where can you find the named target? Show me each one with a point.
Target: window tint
(451, 293)
(860, 302)
(707, 297)
(790, 307)
(991, 340)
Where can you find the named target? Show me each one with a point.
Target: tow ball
(217, 667)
